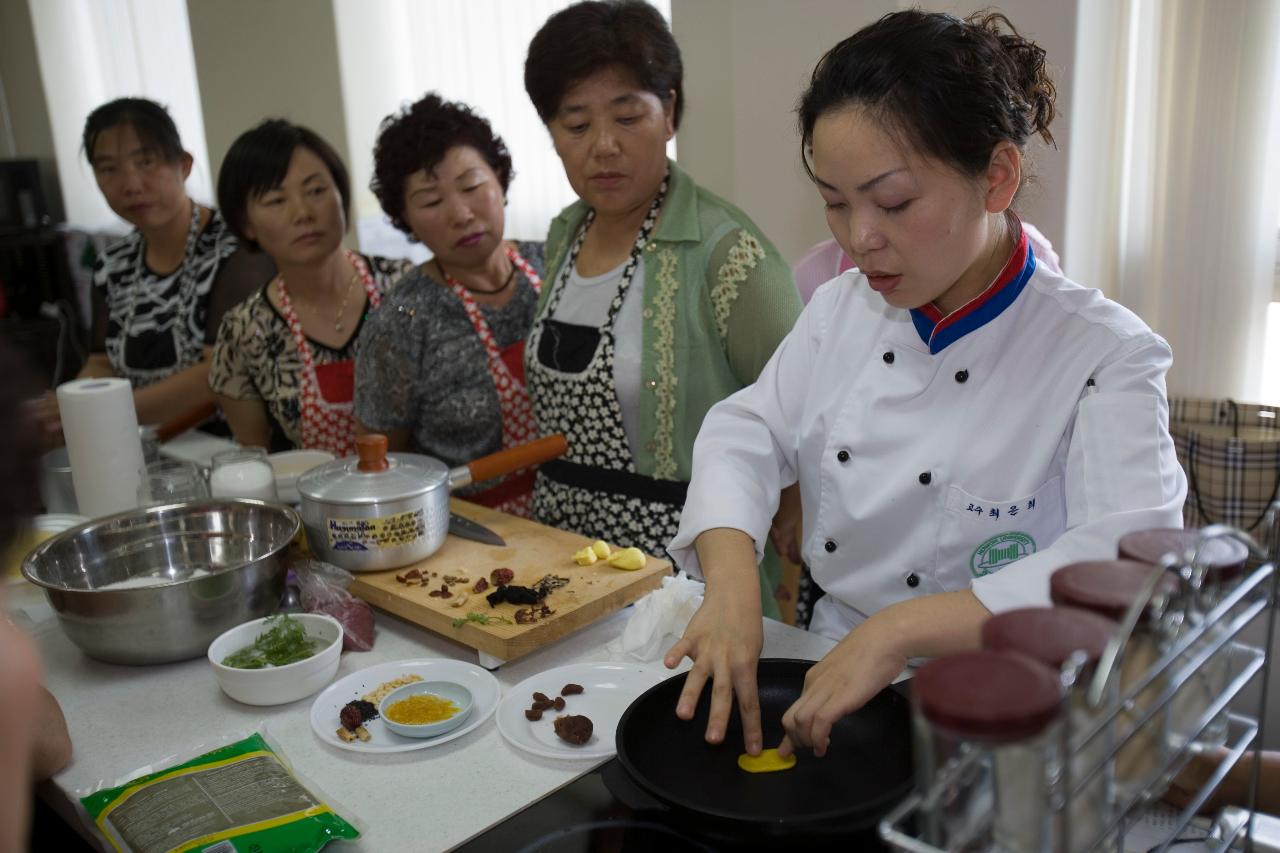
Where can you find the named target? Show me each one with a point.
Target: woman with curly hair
(442, 368)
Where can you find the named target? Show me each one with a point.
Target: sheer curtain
(92, 51)
(1175, 177)
(394, 51)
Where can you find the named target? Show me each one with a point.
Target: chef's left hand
(867, 661)
(858, 668)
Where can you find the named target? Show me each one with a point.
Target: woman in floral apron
(284, 362)
(441, 367)
(662, 299)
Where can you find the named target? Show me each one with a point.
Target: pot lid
(1048, 634)
(1108, 587)
(997, 697)
(373, 475)
(1223, 558)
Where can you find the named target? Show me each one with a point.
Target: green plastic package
(240, 797)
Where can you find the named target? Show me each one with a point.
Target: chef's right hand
(724, 638)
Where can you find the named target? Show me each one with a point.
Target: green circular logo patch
(999, 551)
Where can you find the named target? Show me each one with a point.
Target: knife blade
(468, 529)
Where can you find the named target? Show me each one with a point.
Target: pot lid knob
(372, 450)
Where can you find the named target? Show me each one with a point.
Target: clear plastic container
(243, 473)
(1053, 636)
(1108, 588)
(170, 481)
(1220, 566)
(989, 751)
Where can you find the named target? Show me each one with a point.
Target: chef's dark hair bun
(951, 88)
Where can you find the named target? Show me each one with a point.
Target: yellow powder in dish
(421, 708)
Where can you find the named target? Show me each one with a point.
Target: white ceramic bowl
(456, 693)
(277, 685)
(292, 464)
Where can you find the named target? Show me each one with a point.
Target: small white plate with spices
(325, 711)
(608, 689)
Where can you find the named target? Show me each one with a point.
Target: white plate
(609, 689)
(324, 711)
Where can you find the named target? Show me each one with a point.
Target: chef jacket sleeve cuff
(720, 498)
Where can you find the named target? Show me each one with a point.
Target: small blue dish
(455, 693)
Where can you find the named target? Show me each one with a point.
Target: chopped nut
(363, 734)
(350, 736)
(458, 600)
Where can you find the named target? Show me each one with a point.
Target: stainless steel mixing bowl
(220, 562)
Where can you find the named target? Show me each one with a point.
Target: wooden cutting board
(532, 551)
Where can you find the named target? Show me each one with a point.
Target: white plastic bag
(658, 620)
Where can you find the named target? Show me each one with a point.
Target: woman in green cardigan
(661, 298)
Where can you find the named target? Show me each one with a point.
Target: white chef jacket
(1023, 432)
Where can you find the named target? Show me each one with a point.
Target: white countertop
(123, 718)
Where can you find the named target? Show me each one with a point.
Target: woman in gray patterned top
(441, 370)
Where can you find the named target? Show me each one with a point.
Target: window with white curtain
(393, 51)
(1174, 186)
(93, 51)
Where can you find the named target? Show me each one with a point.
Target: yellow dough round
(766, 762)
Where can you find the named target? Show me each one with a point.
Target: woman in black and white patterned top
(159, 292)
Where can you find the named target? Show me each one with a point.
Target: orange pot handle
(518, 457)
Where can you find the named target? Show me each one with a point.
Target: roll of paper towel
(101, 428)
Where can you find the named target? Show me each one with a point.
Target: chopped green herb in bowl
(285, 641)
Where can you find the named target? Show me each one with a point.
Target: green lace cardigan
(718, 299)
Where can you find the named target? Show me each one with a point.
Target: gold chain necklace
(342, 309)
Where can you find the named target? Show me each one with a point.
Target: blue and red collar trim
(939, 332)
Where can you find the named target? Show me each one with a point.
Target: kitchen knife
(468, 529)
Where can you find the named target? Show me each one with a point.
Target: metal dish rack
(1254, 598)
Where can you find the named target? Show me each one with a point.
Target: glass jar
(1220, 566)
(1053, 636)
(1108, 588)
(988, 751)
(171, 481)
(243, 473)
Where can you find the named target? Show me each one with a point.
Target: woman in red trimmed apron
(283, 364)
(441, 367)
(327, 390)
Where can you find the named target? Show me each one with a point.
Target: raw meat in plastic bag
(324, 590)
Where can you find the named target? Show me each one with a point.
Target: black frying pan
(867, 768)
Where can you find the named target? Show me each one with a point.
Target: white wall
(25, 132)
(258, 60)
(748, 61)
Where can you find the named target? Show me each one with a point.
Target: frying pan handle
(506, 461)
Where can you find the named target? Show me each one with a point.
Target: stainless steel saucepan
(380, 510)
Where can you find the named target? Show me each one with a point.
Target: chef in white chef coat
(961, 420)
